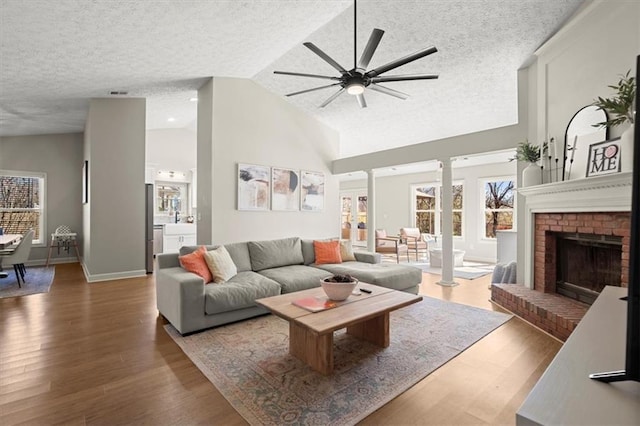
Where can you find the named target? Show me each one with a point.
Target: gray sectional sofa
(265, 268)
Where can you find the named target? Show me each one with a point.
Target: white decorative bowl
(338, 291)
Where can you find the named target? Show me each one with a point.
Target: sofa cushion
(275, 253)
(346, 251)
(296, 277)
(389, 275)
(220, 264)
(195, 262)
(327, 251)
(308, 253)
(239, 292)
(239, 253)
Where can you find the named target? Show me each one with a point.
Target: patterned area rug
(249, 363)
(37, 280)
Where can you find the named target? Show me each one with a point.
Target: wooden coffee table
(311, 333)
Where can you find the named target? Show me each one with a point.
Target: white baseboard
(112, 276)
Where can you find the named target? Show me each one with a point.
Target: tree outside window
(21, 204)
(498, 206)
(425, 202)
(428, 204)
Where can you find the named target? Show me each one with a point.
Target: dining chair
(386, 244)
(19, 256)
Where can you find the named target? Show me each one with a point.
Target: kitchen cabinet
(176, 235)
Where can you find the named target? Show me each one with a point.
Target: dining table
(5, 241)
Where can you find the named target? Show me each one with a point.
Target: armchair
(415, 240)
(390, 245)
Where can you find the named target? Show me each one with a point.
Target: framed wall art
(254, 183)
(285, 189)
(312, 191)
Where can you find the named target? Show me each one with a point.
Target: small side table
(64, 241)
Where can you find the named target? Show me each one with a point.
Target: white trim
(112, 276)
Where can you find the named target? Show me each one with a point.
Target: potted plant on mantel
(621, 108)
(531, 175)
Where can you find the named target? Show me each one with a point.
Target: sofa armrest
(167, 260)
(367, 257)
(180, 297)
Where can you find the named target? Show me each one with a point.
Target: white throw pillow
(220, 264)
(346, 251)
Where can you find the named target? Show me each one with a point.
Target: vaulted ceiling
(56, 55)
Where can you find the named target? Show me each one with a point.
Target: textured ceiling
(55, 55)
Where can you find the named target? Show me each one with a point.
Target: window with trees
(498, 206)
(428, 208)
(22, 203)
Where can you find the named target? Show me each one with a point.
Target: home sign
(604, 158)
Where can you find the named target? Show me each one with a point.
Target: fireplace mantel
(609, 193)
(596, 194)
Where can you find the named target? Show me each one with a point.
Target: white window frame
(483, 181)
(438, 209)
(42, 232)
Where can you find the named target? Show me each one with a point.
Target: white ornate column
(447, 225)
(371, 211)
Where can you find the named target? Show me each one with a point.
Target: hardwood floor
(97, 354)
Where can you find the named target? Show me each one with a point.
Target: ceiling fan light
(355, 88)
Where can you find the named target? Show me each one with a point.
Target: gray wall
(60, 157)
(114, 216)
(252, 125)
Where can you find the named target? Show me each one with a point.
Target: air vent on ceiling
(118, 92)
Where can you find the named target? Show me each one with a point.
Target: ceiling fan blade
(300, 74)
(370, 48)
(402, 61)
(312, 90)
(315, 49)
(332, 97)
(404, 77)
(388, 91)
(361, 101)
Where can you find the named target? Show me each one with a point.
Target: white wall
(252, 125)
(114, 217)
(394, 204)
(60, 157)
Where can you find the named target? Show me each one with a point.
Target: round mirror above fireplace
(581, 132)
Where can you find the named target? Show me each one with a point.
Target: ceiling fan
(356, 80)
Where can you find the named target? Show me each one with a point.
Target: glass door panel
(346, 217)
(362, 219)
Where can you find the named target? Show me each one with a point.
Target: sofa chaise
(265, 268)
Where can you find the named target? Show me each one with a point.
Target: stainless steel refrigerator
(148, 227)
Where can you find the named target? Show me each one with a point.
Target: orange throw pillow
(194, 262)
(327, 252)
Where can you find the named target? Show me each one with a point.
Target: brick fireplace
(585, 210)
(548, 228)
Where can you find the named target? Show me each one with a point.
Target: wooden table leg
(374, 330)
(315, 350)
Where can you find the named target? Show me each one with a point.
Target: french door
(353, 216)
